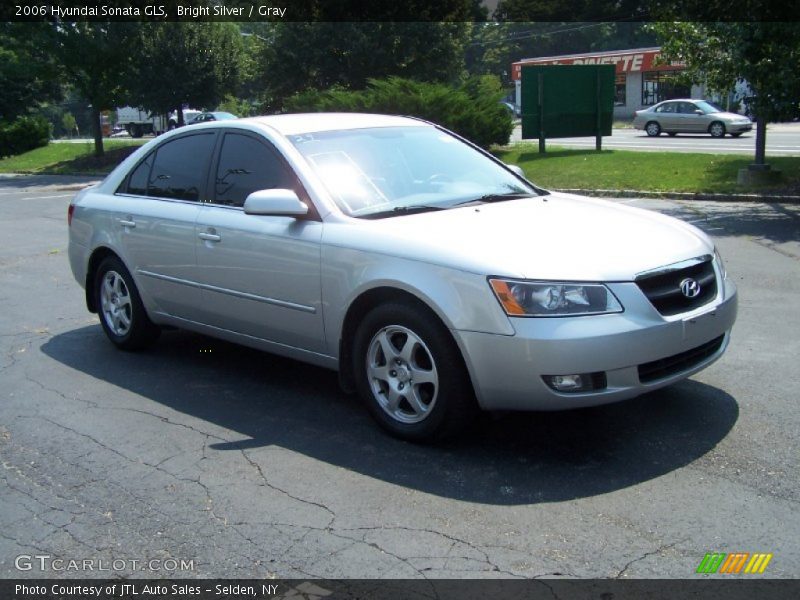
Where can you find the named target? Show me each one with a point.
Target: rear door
(260, 274)
(156, 209)
(667, 116)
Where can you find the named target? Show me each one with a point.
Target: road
(782, 140)
(250, 465)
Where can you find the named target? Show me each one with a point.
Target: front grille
(664, 289)
(666, 367)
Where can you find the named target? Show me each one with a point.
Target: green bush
(23, 134)
(472, 110)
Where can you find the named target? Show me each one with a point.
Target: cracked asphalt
(255, 466)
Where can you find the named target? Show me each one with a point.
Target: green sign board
(567, 101)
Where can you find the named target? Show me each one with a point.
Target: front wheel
(122, 313)
(653, 129)
(410, 374)
(716, 129)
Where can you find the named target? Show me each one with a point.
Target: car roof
(299, 123)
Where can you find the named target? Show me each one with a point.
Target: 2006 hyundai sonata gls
(434, 278)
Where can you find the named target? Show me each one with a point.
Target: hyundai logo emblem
(690, 288)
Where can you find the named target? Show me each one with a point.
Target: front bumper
(739, 128)
(507, 371)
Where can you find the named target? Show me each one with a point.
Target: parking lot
(223, 461)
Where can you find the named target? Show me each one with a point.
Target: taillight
(70, 210)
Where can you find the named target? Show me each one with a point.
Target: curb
(682, 195)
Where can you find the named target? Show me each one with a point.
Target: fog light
(581, 382)
(566, 383)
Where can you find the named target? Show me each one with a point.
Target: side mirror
(276, 203)
(698, 112)
(516, 169)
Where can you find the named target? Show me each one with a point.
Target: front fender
(462, 300)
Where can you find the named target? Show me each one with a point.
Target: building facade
(641, 78)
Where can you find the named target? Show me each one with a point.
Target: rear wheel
(717, 129)
(410, 374)
(653, 129)
(122, 313)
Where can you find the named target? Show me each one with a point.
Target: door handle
(127, 222)
(209, 237)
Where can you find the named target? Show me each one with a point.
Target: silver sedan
(437, 280)
(690, 116)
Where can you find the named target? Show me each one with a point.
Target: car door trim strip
(236, 294)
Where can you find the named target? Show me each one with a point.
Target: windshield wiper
(402, 210)
(487, 198)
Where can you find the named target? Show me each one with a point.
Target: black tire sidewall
(455, 404)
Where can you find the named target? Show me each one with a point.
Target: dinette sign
(625, 62)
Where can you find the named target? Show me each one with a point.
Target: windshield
(391, 170)
(707, 107)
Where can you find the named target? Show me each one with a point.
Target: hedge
(472, 110)
(23, 134)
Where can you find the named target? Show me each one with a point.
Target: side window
(179, 170)
(687, 108)
(669, 107)
(245, 166)
(137, 182)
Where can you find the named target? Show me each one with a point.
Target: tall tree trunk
(180, 116)
(761, 141)
(97, 131)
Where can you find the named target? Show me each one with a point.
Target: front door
(260, 274)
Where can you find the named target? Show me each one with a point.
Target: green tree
(572, 10)
(763, 54)
(302, 56)
(185, 64)
(96, 59)
(28, 74)
(494, 46)
(69, 123)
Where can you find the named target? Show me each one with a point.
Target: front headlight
(553, 299)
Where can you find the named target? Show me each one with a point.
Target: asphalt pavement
(783, 139)
(243, 464)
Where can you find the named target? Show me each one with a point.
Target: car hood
(728, 116)
(558, 236)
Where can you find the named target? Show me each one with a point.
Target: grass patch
(70, 159)
(645, 171)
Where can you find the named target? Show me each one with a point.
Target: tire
(120, 307)
(672, 133)
(396, 343)
(653, 129)
(717, 129)
(736, 134)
